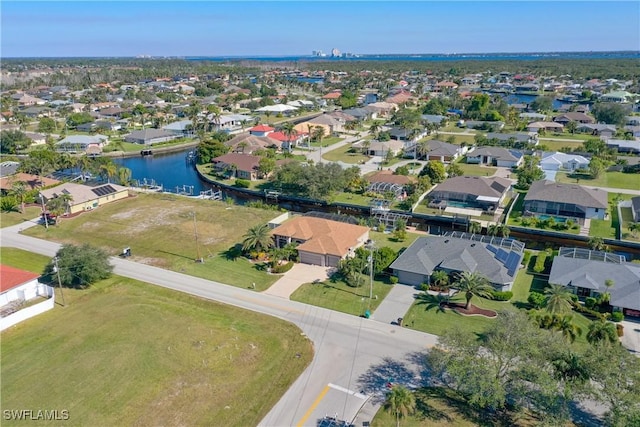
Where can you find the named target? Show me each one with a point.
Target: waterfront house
(321, 241)
(181, 129)
(82, 143)
(248, 144)
(496, 259)
(495, 156)
(238, 165)
(149, 136)
(586, 273)
(471, 191)
(84, 197)
(31, 181)
(565, 200)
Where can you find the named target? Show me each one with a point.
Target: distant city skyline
(170, 28)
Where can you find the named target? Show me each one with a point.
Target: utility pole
(44, 213)
(57, 270)
(371, 246)
(195, 229)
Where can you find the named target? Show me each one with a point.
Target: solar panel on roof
(492, 248)
(103, 190)
(512, 263)
(502, 255)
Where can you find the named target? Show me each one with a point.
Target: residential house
(360, 114)
(261, 130)
(434, 119)
(624, 145)
(495, 259)
(82, 143)
(471, 191)
(598, 129)
(439, 150)
(545, 126)
(149, 136)
(247, 144)
(288, 142)
(181, 129)
(573, 117)
(31, 181)
(515, 137)
(36, 138)
(533, 116)
(379, 148)
(84, 197)
(331, 124)
(565, 200)
(229, 122)
(481, 124)
(382, 109)
(19, 294)
(586, 273)
(495, 156)
(112, 112)
(567, 161)
(388, 177)
(321, 241)
(239, 165)
(619, 96)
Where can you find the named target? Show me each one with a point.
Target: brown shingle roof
(322, 236)
(244, 162)
(388, 176)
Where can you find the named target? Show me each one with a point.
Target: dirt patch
(471, 311)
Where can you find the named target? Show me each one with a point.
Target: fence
(28, 312)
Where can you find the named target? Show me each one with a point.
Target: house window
(583, 292)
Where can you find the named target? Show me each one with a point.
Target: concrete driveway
(631, 337)
(298, 275)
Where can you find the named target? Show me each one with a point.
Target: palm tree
(59, 205)
(565, 325)
(472, 284)
(19, 190)
(257, 238)
(597, 244)
(602, 332)
(475, 227)
(374, 128)
(289, 130)
(401, 402)
(124, 176)
(109, 170)
(440, 278)
(557, 299)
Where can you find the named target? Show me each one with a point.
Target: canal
(170, 170)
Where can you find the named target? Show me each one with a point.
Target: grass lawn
(128, 353)
(338, 296)
(553, 145)
(24, 260)
(160, 231)
(346, 154)
(440, 407)
(477, 170)
(602, 228)
(326, 141)
(383, 239)
(606, 179)
(351, 198)
(627, 218)
(8, 219)
(608, 228)
(425, 314)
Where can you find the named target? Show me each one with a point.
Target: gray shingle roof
(475, 185)
(591, 274)
(450, 253)
(550, 191)
(441, 148)
(497, 153)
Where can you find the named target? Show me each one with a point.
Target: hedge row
(540, 261)
(501, 296)
(282, 268)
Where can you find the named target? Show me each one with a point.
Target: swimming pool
(455, 204)
(556, 218)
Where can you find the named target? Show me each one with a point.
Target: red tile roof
(11, 277)
(279, 136)
(261, 128)
(332, 95)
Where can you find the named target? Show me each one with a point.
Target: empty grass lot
(160, 231)
(346, 154)
(627, 181)
(7, 219)
(477, 170)
(129, 353)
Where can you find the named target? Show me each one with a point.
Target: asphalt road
(354, 357)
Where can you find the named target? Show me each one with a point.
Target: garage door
(408, 278)
(311, 258)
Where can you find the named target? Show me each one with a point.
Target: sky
(287, 28)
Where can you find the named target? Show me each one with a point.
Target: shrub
(525, 222)
(574, 298)
(282, 268)
(536, 299)
(526, 258)
(500, 295)
(587, 311)
(424, 287)
(540, 261)
(617, 316)
(590, 302)
(393, 280)
(619, 329)
(242, 183)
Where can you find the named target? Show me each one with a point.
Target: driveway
(298, 275)
(396, 304)
(631, 337)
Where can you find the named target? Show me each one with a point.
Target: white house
(567, 161)
(81, 143)
(16, 288)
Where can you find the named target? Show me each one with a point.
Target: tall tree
(80, 266)
(557, 299)
(400, 402)
(472, 284)
(257, 238)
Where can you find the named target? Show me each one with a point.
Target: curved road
(353, 356)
